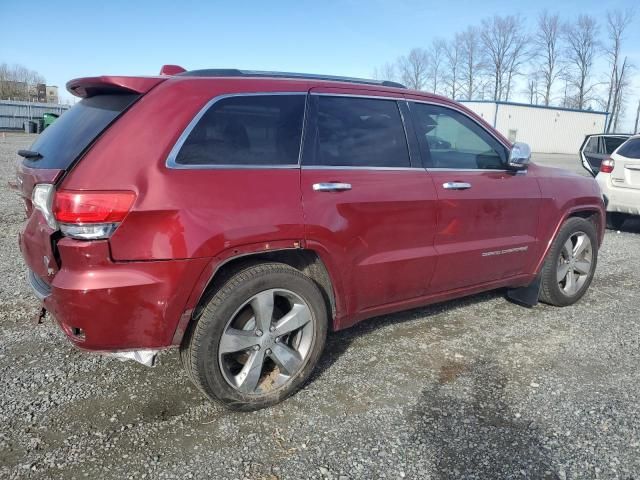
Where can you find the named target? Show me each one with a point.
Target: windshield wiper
(30, 154)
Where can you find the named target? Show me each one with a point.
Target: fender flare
(234, 253)
(594, 208)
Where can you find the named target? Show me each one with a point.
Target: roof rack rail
(234, 72)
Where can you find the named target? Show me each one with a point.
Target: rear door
(487, 215)
(367, 202)
(626, 172)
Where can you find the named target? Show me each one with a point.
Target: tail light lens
(42, 200)
(91, 215)
(607, 165)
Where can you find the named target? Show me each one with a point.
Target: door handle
(331, 187)
(456, 185)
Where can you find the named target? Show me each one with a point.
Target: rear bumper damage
(129, 310)
(145, 357)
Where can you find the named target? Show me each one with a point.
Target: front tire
(570, 264)
(258, 338)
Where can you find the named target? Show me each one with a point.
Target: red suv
(241, 215)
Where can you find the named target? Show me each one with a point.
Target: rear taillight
(42, 199)
(91, 215)
(607, 165)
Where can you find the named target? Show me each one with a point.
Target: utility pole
(635, 129)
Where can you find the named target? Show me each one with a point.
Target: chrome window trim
(355, 95)
(444, 169)
(349, 167)
(171, 158)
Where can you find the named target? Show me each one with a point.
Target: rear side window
(612, 143)
(359, 132)
(592, 145)
(62, 142)
(631, 149)
(246, 130)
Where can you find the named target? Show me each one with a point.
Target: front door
(487, 215)
(367, 202)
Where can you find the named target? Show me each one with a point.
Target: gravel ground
(475, 388)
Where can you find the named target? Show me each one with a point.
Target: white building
(545, 129)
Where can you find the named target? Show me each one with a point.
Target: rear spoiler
(90, 86)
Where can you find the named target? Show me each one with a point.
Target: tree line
(555, 58)
(17, 82)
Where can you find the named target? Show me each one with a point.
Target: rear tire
(244, 351)
(615, 220)
(570, 264)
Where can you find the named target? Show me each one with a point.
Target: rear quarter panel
(188, 213)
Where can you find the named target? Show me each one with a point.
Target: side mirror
(519, 156)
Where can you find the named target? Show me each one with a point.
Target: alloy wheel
(574, 263)
(266, 342)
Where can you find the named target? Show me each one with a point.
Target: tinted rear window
(360, 132)
(62, 142)
(247, 130)
(631, 149)
(612, 143)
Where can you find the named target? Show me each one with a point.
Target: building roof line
(519, 104)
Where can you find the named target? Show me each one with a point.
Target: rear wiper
(30, 154)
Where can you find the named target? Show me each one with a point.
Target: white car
(619, 180)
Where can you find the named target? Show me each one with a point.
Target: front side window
(359, 132)
(247, 130)
(449, 139)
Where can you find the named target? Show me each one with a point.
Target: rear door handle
(331, 187)
(456, 185)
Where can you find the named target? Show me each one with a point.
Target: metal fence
(13, 113)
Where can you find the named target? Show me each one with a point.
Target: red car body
(396, 240)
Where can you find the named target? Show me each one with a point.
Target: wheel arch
(593, 213)
(307, 261)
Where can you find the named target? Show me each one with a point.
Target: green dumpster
(49, 118)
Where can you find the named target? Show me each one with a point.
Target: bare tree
(519, 55)
(547, 44)
(471, 62)
(617, 23)
(17, 81)
(437, 57)
(387, 71)
(618, 95)
(454, 59)
(504, 46)
(413, 68)
(582, 43)
(532, 89)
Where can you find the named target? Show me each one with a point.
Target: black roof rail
(234, 72)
